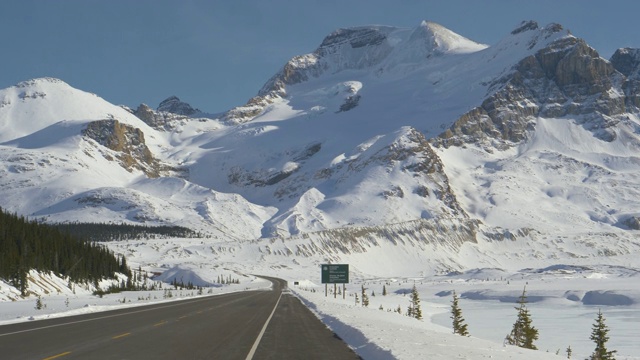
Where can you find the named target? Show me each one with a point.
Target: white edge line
(264, 328)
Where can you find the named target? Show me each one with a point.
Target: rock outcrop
(127, 142)
(173, 105)
(565, 78)
(159, 120)
(627, 62)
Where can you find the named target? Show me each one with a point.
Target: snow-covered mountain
(380, 134)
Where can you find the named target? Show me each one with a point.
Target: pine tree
(415, 312)
(384, 290)
(523, 333)
(365, 298)
(459, 327)
(599, 336)
(569, 352)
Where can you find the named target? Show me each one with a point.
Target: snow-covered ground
(563, 301)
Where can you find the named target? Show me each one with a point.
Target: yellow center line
(182, 317)
(57, 356)
(160, 323)
(121, 336)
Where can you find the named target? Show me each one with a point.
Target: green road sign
(335, 273)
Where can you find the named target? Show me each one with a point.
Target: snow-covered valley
(563, 298)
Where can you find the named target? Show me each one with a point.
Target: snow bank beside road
(381, 334)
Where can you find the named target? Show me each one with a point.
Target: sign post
(334, 274)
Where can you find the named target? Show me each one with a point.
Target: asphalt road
(244, 325)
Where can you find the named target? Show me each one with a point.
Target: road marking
(257, 342)
(121, 336)
(177, 303)
(57, 356)
(160, 323)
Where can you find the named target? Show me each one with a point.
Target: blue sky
(217, 54)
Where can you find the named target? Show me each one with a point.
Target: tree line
(104, 232)
(27, 245)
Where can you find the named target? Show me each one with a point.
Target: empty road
(244, 325)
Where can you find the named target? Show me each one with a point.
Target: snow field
(563, 299)
(488, 307)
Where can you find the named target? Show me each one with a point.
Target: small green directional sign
(335, 273)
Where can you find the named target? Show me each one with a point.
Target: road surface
(244, 325)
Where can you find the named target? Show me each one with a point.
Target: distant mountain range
(380, 130)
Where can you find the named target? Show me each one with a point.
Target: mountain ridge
(379, 125)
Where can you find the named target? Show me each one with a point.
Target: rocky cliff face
(173, 105)
(627, 62)
(126, 142)
(170, 116)
(565, 78)
(159, 120)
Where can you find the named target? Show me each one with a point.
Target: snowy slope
(533, 138)
(52, 170)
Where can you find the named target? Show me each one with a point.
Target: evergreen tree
(459, 326)
(523, 333)
(599, 336)
(416, 312)
(365, 298)
(384, 290)
(569, 352)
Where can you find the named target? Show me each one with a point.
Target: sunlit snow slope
(415, 132)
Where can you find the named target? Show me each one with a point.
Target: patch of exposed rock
(266, 177)
(173, 105)
(627, 62)
(159, 120)
(127, 142)
(632, 222)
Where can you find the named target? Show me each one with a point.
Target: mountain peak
(442, 40)
(357, 37)
(525, 26)
(39, 81)
(173, 105)
(626, 60)
(530, 25)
